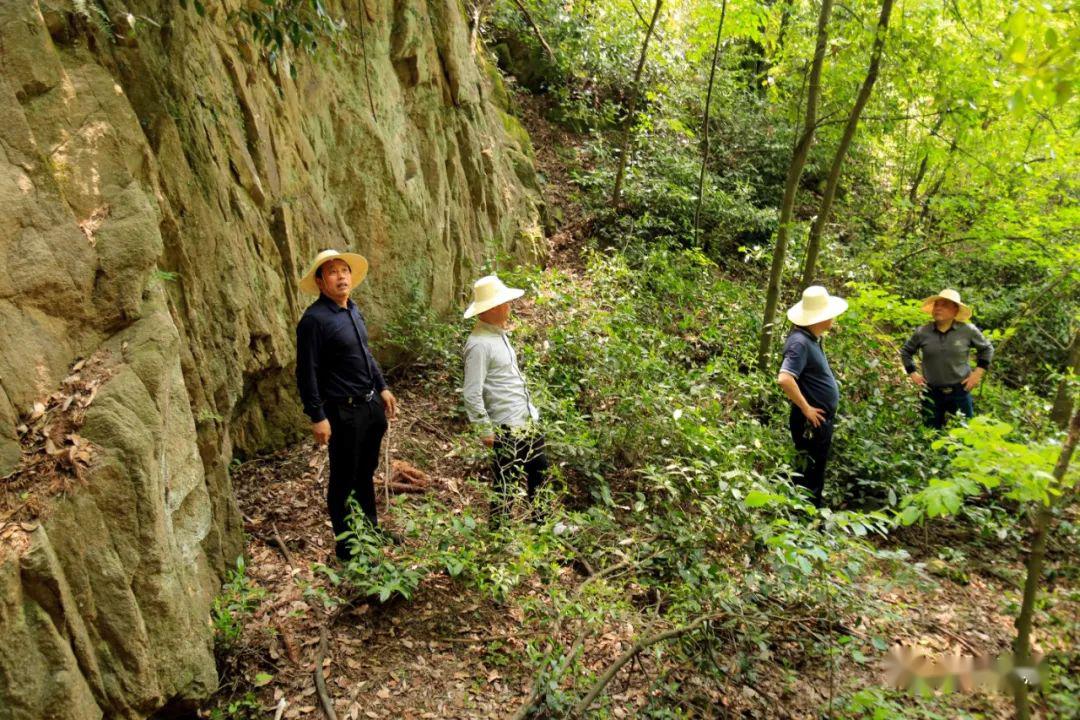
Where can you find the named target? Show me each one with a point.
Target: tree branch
(635, 649)
(320, 679)
(535, 28)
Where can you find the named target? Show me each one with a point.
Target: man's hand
(918, 379)
(488, 440)
(973, 379)
(816, 416)
(321, 431)
(788, 384)
(390, 402)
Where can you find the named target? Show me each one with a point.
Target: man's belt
(949, 389)
(351, 400)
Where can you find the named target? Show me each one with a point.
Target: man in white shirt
(497, 397)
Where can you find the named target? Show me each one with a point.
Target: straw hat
(816, 305)
(965, 310)
(489, 292)
(357, 263)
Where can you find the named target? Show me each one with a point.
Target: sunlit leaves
(1043, 44)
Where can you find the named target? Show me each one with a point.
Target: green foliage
(961, 174)
(238, 599)
(244, 708)
(420, 340)
(302, 25)
(93, 12)
(984, 458)
(371, 570)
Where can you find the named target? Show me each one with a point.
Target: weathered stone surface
(161, 190)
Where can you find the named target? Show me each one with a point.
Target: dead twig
(386, 468)
(320, 679)
(433, 429)
(642, 643)
(282, 546)
(282, 704)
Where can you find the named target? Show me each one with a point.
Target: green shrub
(238, 599)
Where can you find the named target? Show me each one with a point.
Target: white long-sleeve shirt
(495, 391)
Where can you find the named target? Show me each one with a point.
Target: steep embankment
(161, 188)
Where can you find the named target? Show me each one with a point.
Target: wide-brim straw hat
(358, 264)
(488, 292)
(816, 305)
(963, 315)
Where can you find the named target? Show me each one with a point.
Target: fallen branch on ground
(282, 546)
(639, 645)
(320, 679)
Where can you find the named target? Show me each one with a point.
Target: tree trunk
(632, 106)
(813, 247)
(791, 184)
(477, 20)
(1022, 648)
(924, 211)
(1063, 402)
(913, 191)
(705, 121)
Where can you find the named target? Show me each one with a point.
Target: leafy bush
(238, 599)
(371, 570)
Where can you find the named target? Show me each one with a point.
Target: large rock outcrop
(162, 185)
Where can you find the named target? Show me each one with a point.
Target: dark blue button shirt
(333, 361)
(805, 361)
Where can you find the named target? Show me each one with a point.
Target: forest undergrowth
(678, 572)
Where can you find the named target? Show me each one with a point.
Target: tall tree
(813, 246)
(1022, 647)
(705, 121)
(791, 183)
(631, 108)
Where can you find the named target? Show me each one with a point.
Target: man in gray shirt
(497, 397)
(946, 344)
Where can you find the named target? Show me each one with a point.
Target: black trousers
(517, 454)
(940, 401)
(356, 433)
(812, 445)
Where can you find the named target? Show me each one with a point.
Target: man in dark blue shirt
(808, 382)
(341, 386)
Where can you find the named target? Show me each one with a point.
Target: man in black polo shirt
(341, 385)
(809, 384)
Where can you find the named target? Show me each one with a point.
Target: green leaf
(758, 498)
(910, 514)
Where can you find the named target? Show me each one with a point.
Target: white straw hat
(358, 264)
(488, 292)
(816, 305)
(964, 313)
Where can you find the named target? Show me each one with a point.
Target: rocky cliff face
(162, 187)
